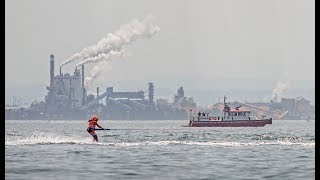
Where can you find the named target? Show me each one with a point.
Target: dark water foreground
(158, 150)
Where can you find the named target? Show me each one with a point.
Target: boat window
(239, 113)
(235, 114)
(229, 114)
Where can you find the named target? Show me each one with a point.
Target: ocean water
(158, 150)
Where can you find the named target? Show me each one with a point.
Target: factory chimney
(60, 71)
(51, 69)
(98, 94)
(83, 97)
(151, 93)
(82, 85)
(82, 76)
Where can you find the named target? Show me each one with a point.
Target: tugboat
(230, 118)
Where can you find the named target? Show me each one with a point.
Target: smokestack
(51, 69)
(97, 94)
(83, 96)
(151, 93)
(82, 73)
(60, 71)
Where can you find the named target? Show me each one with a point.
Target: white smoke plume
(136, 29)
(280, 87)
(96, 71)
(103, 57)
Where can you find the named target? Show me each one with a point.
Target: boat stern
(190, 123)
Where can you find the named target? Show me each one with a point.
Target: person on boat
(199, 114)
(91, 127)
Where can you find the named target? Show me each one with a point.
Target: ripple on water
(159, 151)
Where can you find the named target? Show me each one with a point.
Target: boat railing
(228, 118)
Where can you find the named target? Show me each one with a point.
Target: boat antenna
(190, 113)
(226, 107)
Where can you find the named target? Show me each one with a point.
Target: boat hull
(246, 123)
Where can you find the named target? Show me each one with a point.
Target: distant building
(182, 101)
(162, 102)
(178, 96)
(302, 105)
(288, 104)
(65, 92)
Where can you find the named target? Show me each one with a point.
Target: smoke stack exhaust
(114, 42)
(51, 69)
(82, 74)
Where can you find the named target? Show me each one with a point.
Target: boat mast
(226, 108)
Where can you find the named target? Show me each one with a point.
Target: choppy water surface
(158, 150)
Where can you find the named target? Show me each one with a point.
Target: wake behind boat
(230, 118)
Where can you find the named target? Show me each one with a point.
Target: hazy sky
(225, 45)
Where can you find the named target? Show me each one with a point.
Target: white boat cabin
(236, 115)
(227, 115)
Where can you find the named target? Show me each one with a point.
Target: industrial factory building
(67, 98)
(66, 93)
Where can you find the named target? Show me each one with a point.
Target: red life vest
(92, 124)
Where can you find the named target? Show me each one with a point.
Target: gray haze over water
(226, 46)
(158, 150)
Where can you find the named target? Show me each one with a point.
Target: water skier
(91, 127)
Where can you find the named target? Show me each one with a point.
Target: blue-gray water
(158, 150)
